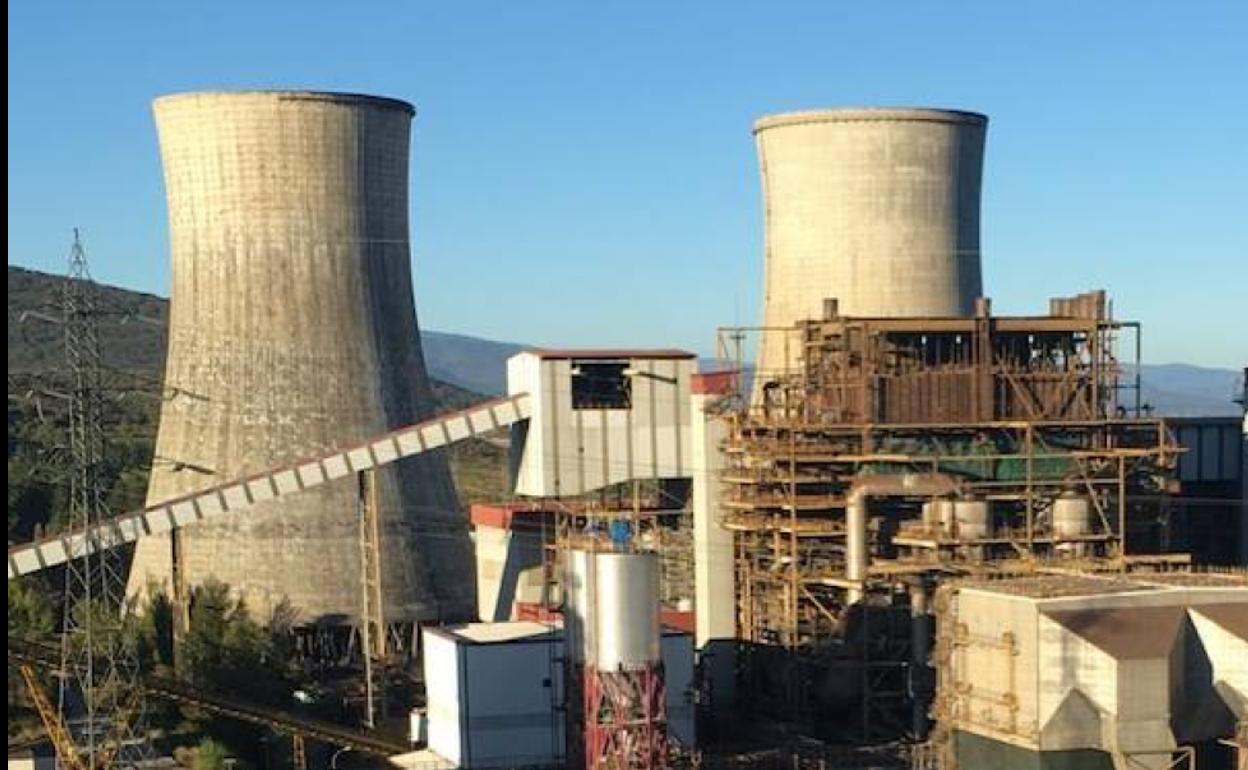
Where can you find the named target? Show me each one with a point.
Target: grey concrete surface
(293, 330)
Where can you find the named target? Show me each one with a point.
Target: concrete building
(600, 417)
(293, 331)
(510, 540)
(715, 585)
(875, 208)
(1082, 671)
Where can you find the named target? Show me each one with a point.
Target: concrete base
(975, 751)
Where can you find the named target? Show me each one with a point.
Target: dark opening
(601, 385)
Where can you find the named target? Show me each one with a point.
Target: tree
(226, 651)
(210, 755)
(31, 613)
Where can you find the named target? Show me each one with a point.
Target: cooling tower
(293, 330)
(876, 208)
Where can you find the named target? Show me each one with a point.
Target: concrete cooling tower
(293, 331)
(877, 208)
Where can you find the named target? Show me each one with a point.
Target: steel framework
(372, 614)
(625, 719)
(1016, 411)
(99, 701)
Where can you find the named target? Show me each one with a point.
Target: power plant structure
(910, 451)
(877, 208)
(916, 526)
(292, 332)
(614, 665)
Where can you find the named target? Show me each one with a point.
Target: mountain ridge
(136, 339)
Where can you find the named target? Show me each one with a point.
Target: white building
(600, 417)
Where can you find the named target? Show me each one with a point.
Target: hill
(461, 366)
(132, 342)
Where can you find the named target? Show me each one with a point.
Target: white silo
(618, 708)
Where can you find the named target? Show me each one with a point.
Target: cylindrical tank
(938, 516)
(626, 611)
(876, 208)
(293, 331)
(974, 519)
(578, 604)
(1072, 515)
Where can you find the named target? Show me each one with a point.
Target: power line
(97, 698)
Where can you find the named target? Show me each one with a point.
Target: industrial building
(1209, 516)
(1087, 671)
(888, 516)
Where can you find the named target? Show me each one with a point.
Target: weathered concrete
(715, 592)
(293, 330)
(713, 567)
(877, 208)
(510, 569)
(1055, 665)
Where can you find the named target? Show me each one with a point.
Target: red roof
(609, 353)
(504, 515)
(533, 611)
(676, 620)
(717, 383)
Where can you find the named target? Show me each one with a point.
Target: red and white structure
(615, 665)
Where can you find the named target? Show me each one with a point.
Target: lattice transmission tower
(100, 698)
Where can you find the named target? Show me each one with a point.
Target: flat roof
(505, 515)
(717, 382)
(608, 353)
(1223, 420)
(1056, 586)
(492, 633)
(1059, 586)
(421, 759)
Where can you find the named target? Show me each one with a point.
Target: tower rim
(347, 98)
(871, 114)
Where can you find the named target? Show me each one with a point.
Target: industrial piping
(857, 558)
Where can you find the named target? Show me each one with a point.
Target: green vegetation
(132, 340)
(32, 615)
(480, 469)
(227, 650)
(210, 755)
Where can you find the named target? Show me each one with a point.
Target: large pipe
(865, 487)
(920, 646)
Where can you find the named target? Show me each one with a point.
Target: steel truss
(1016, 411)
(625, 719)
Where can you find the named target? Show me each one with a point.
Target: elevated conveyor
(238, 494)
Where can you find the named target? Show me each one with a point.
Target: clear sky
(584, 173)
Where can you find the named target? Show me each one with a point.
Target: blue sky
(584, 174)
